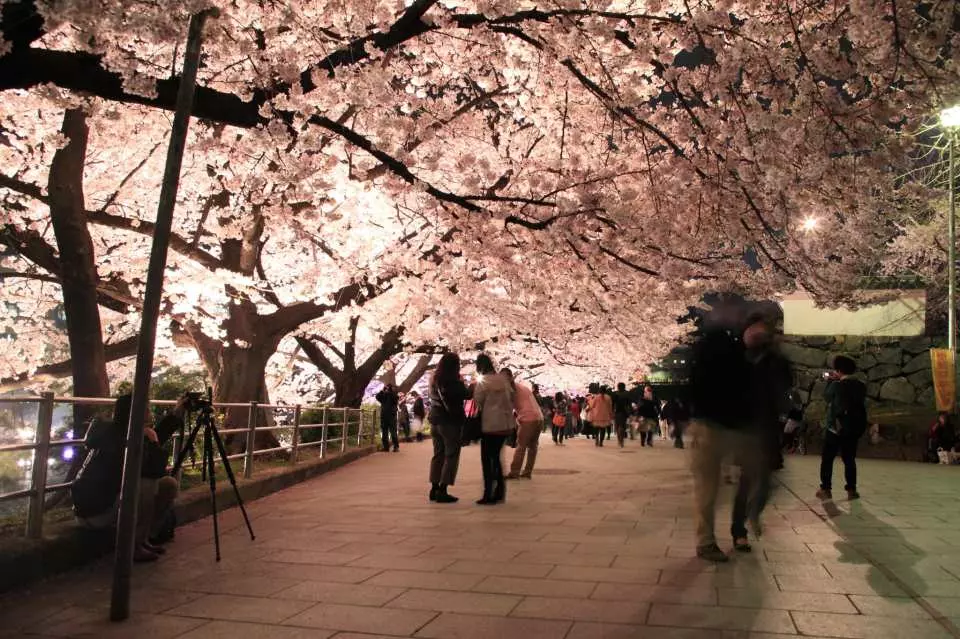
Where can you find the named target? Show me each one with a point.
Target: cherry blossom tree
(586, 169)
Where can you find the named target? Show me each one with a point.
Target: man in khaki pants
(529, 425)
(721, 384)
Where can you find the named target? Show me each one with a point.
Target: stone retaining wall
(896, 370)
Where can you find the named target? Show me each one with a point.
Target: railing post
(251, 440)
(324, 432)
(41, 453)
(360, 430)
(295, 446)
(344, 431)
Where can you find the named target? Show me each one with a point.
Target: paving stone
(233, 608)
(878, 585)
(385, 562)
(664, 594)
(464, 602)
(237, 630)
(819, 602)
(562, 559)
(501, 569)
(455, 626)
(613, 575)
(330, 592)
(721, 618)
(864, 627)
(362, 619)
(252, 586)
(429, 580)
(143, 626)
(541, 587)
(588, 630)
(582, 610)
(888, 606)
(312, 557)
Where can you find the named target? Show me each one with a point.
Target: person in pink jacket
(529, 425)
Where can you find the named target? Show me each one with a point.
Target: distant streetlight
(809, 224)
(950, 120)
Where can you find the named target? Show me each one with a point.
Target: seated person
(96, 490)
(941, 436)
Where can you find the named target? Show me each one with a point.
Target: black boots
(493, 493)
(439, 494)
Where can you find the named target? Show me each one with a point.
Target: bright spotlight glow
(809, 224)
(950, 117)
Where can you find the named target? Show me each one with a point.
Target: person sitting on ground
(942, 437)
(96, 489)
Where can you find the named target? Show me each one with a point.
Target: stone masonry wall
(896, 370)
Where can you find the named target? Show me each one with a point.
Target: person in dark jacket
(676, 415)
(622, 406)
(403, 417)
(96, 491)
(720, 386)
(845, 423)
(419, 414)
(447, 395)
(942, 436)
(648, 409)
(389, 400)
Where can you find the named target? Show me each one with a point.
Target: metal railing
(353, 426)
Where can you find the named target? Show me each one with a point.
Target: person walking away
(680, 415)
(649, 411)
(403, 417)
(389, 403)
(494, 397)
(770, 381)
(846, 421)
(575, 416)
(558, 421)
(419, 414)
(529, 426)
(607, 393)
(621, 412)
(545, 403)
(600, 412)
(720, 401)
(447, 395)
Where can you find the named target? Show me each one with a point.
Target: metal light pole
(130, 491)
(952, 259)
(949, 121)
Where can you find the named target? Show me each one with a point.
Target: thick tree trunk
(349, 390)
(238, 373)
(78, 271)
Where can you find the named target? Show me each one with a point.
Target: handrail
(353, 426)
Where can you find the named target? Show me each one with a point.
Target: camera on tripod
(197, 400)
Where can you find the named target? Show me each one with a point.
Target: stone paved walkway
(599, 544)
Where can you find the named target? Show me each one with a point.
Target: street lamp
(809, 224)
(950, 120)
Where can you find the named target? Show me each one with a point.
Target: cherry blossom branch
(119, 350)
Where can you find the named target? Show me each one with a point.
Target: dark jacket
(446, 403)
(388, 405)
(648, 408)
(846, 407)
(156, 455)
(418, 408)
(720, 380)
(621, 403)
(771, 381)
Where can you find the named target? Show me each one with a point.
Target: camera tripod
(211, 437)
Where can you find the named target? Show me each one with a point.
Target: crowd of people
(739, 411)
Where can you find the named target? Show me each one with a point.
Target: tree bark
(424, 364)
(238, 370)
(78, 270)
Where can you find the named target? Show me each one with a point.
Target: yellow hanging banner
(944, 372)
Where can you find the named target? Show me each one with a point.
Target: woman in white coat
(493, 395)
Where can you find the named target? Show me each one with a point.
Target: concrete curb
(68, 546)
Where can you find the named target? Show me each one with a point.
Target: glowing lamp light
(950, 117)
(810, 224)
